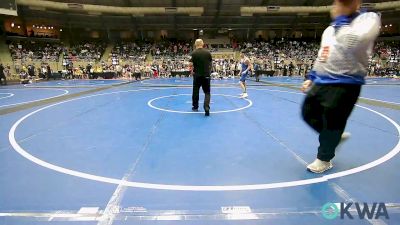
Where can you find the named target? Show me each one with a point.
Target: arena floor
(116, 152)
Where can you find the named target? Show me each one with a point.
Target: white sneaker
(319, 166)
(241, 94)
(345, 136)
(244, 95)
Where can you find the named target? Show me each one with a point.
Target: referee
(201, 62)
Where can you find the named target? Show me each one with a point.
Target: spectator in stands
(291, 68)
(31, 70)
(89, 71)
(3, 78)
(256, 66)
(48, 72)
(23, 76)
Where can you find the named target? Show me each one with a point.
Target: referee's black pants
(205, 83)
(326, 109)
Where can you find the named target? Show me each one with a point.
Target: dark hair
(346, 2)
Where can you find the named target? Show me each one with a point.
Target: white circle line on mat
(373, 99)
(20, 103)
(149, 103)
(9, 95)
(300, 93)
(22, 152)
(188, 84)
(61, 85)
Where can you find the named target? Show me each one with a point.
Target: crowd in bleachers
(31, 50)
(386, 59)
(297, 57)
(284, 57)
(138, 51)
(131, 51)
(172, 49)
(29, 72)
(86, 51)
(166, 57)
(165, 65)
(128, 59)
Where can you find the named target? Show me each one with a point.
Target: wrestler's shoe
(345, 136)
(319, 166)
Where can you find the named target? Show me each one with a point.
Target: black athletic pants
(257, 74)
(326, 109)
(204, 83)
(3, 79)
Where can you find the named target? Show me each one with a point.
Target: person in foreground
(201, 61)
(334, 83)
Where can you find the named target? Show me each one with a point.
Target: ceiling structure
(217, 15)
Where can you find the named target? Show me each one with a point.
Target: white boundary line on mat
(60, 84)
(396, 103)
(8, 95)
(24, 153)
(20, 103)
(149, 103)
